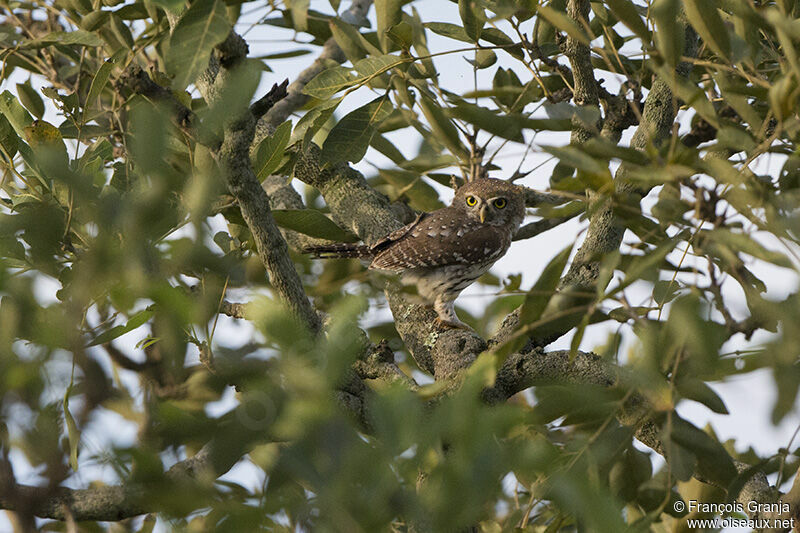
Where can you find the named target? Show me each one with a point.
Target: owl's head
(492, 201)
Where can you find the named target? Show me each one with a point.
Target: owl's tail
(341, 250)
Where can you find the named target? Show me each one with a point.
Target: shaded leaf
(349, 139)
(271, 151)
(117, 331)
(705, 19)
(312, 223)
(203, 26)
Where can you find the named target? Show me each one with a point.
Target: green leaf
(370, 67)
(626, 12)
(564, 23)
(101, 78)
(299, 11)
(31, 99)
(8, 138)
(77, 37)
(705, 19)
(744, 243)
(117, 331)
(73, 433)
(94, 20)
(473, 18)
(349, 139)
(642, 265)
(713, 459)
(506, 125)
(544, 289)
(669, 38)
(173, 6)
(402, 34)
(388, 13)
(447, 29)
(349, 39)
(443, 128)
(312, 121)
(697, 390)
(329, 82)
(16, 115)
(203, 26)
(271, 151)
(484, 59)
(312, 223)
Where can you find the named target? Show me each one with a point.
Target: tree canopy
(169, 201)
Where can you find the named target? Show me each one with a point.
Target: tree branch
(585, 91)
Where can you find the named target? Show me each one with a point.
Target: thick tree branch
(585, 91)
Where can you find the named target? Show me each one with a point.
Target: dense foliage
(133, 218)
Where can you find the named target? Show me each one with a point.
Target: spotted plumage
(443, 252)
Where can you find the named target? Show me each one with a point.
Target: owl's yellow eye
(472, 201)
(500, 203)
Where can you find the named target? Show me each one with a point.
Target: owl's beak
(482, 213)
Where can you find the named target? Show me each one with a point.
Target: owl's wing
(441, 239)
(397, 234)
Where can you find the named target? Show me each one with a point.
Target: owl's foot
(450, 323)
(446, 315)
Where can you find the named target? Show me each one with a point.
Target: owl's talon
(451, 324)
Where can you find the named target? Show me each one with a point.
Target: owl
(444, 251)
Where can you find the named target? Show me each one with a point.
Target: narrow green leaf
(402, 34)
(506, 125)
(8, 138)
(744, 243)
(711, 455)
(705, 19)
(329, 82)
(349, 139)
(443, 128)
(271, 151)
(626, 12)
(73, 433)
(473, 18)
(312, 223)
(348, 38)
(101, 78)
(117, 331)
(203, 26)
(16, 115)
(299, 11)
(447, 29)
(697, 390)
(312, 121)
(77, 37)
(545, 287)
(669, 38)
(564, 23)
(31, 99)
(370, 67)
(388, 13)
